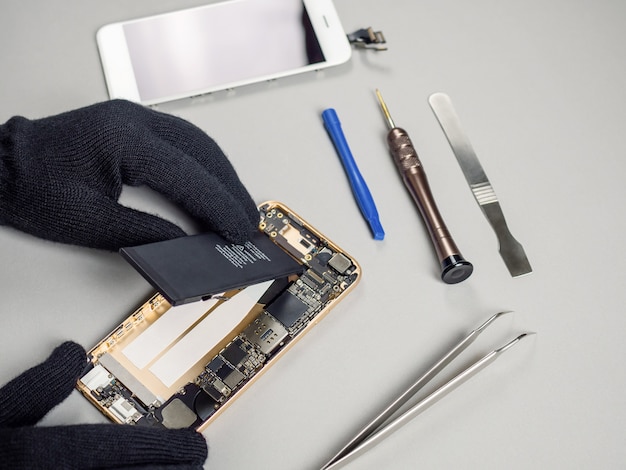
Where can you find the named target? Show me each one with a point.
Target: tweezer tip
(514, 341)
(503, 312)
(528, 333)
(491, 319)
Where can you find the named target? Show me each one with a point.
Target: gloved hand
(28, 397)
(61, 177)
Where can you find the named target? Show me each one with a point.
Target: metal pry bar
(385, 423)
(367, 38)
(511, 250)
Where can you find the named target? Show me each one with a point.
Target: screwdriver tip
(383, 106)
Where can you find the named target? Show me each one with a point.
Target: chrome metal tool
(511, 250)
(394, 416)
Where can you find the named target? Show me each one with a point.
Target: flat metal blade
(510, 249)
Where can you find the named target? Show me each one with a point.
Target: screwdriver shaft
(383, 106)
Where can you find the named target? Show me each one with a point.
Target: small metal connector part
(266, 332)
(367, 38)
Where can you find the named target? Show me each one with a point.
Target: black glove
(61, 177)
(27, 398)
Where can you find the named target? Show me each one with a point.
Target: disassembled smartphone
(180, 367)
(219, 46)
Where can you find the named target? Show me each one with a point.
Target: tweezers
(385, 423)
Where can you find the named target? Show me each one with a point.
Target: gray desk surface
(540, 90)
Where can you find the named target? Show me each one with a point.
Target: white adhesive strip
(206, 335)
(160, 335)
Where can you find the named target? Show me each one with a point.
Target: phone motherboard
(131, 384)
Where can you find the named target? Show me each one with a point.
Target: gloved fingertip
(133, 228)
(188, 443)
(29, 396)
(70, 355)
(69, 350)
(196, 445)
(237, 235)
(158, 446)
(240, 228)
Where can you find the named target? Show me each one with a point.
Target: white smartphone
(219, 46)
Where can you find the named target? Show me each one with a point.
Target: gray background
(540, 90)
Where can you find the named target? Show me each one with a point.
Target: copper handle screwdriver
(454, 268)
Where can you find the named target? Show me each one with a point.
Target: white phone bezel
(120, 78)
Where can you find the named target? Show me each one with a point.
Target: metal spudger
(454, 268)
(511, 250)
(385, 423)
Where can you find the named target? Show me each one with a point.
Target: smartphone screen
(191, 51)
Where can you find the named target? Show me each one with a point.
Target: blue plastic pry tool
(359, 187)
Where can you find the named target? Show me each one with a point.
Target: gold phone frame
(126, 393)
